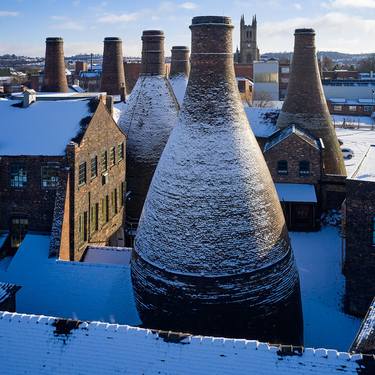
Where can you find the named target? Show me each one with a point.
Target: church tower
(249, 51)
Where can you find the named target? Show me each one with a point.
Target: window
(112, 156)
(122, 194)
(367, 108)
(114, 202)
(104, 161)
(352, 108)
(337, 108)
(282, 167)
(82, 227)
(285, 69)
(304, 168)
(96, 217)
(284, 80)
(120, 151)
(50, 175)
(373, 231)
(94, 167)
(18, 176)
(106, 217)
(82, 174)
(18, 231)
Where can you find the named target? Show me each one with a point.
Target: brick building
(294, 159)
(359, 228)
(351, 107)
(68, 180)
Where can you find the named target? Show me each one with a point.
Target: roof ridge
(184, 338)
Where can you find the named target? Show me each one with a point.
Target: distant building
(266, 80)
(359, 228)
(245, 87)
(351, 107)
(62, 170)
(249, 51)
(284, 74)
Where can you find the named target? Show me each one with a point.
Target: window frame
(51, 166)
(282, 172)
(120, 152)
(17, 180)
(82, 174)
(306, 171)
(104, 161)
(112, 156)
(94, 167)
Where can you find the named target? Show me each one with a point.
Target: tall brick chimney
(179, 73)
(153, 60)
(305, 104)
(113, 76)
(147, 119)
(212, 253)
(54, 69)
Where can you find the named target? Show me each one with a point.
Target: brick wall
(33, 202)
(360, 252)
(293, 149)
(101, 134)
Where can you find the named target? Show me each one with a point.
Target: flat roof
(296, 192)
(366, 168)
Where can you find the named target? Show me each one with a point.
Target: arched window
(304, 168)
(282, 167)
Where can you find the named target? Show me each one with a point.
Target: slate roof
(47, 345)
(365, 339)
(7, 290)
(283, 134)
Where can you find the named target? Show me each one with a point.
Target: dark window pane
(282, 167)
(82, 174)
(18, 176)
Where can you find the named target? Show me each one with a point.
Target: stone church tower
(249, 51)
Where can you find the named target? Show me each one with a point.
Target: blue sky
(341, 25)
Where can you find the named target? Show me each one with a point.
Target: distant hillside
(335, 56)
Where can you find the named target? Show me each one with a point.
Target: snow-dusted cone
(179, 73)
(212, 254)
(305, 104)
(147, 119)
(113, 76)
(54, 79)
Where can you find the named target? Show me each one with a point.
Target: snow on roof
(77, 88)
(148, 118)
(43, 128)
(44, 345)
(69, 289)
(365, 340)
(260, 120)
(283, 134)
(296, 192)
(108, 255)
(366, 169)
(179, 83)
(7, 290)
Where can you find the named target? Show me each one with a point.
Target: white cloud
(334, 32)
(5, 13)
(65, 23)
(339, 4)
(118, 18)
(188, 5)
(297, 6)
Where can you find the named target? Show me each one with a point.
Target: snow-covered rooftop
(45, 345)
(286, 132)
(108, 255)
(43, 128)
(296, 192)
(262, 120)
(366, 169)
(69, 289)
(179, 83)
(365, 340)
(7, 290)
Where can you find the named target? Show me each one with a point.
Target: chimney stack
(212, 254)
(180, 61)
(153, 61)
(54, 68)
(113, 76)
(305, 104)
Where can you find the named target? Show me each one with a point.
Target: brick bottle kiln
(179, 74)
(212, 254)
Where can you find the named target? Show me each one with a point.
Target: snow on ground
(359, 141)
(353, 121)
(318, 256)
(69, 289)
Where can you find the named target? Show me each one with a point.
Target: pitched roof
(44, 345)
(43, 128)
(7, 290)
(365, 339)
(283, 134)
(366, 168)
